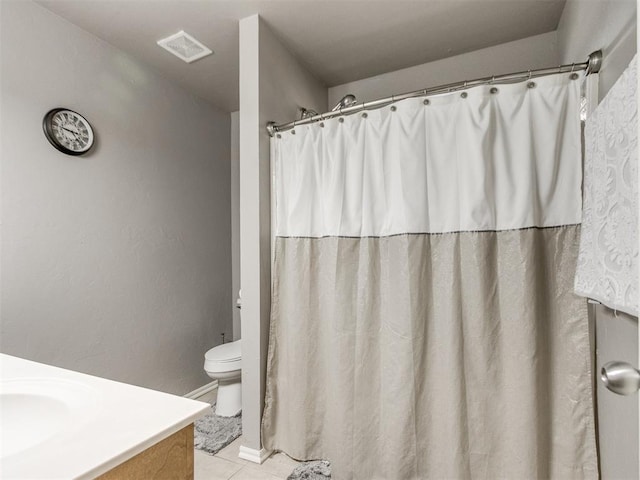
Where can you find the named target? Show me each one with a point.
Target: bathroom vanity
(57, 423)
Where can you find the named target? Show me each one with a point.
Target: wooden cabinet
(171, 458)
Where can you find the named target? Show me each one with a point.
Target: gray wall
(610, 25)
(117, 263)
(539, 51)
(273, 84)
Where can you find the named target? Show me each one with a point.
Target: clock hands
(77, 135)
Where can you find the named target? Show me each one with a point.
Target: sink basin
(57, 423)
(33, 410)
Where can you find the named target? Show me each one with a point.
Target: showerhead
(306, 113)
(345, 102)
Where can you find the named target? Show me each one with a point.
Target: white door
(617, 340)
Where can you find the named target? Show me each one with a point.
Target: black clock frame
(48, 132)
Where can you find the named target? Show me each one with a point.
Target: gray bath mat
(212, 433)
(316, 470)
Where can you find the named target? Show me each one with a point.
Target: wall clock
(68, 131)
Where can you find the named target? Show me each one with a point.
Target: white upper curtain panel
(497, 157)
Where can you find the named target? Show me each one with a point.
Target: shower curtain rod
(592, 65)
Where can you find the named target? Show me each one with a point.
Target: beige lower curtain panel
(432, 356)
(424, 324)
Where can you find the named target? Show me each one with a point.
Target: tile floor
(227, 465)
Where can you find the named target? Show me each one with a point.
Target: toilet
(223, 363)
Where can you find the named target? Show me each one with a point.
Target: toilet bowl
(224, 363)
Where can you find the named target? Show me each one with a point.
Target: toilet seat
(224, 358)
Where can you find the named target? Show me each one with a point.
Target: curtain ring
(573, 65)
(529, 75)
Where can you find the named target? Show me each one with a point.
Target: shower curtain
(424, 324)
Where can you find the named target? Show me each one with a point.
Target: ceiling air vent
(185, 47)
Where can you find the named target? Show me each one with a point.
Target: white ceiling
(338, 40)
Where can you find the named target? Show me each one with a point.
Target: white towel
(608, 259)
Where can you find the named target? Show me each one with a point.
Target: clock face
(68, 131)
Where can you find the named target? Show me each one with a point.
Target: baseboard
(253, 455)
(203, 391)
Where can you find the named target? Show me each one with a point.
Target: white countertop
(113, 422)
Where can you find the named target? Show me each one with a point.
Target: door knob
(620, 378)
